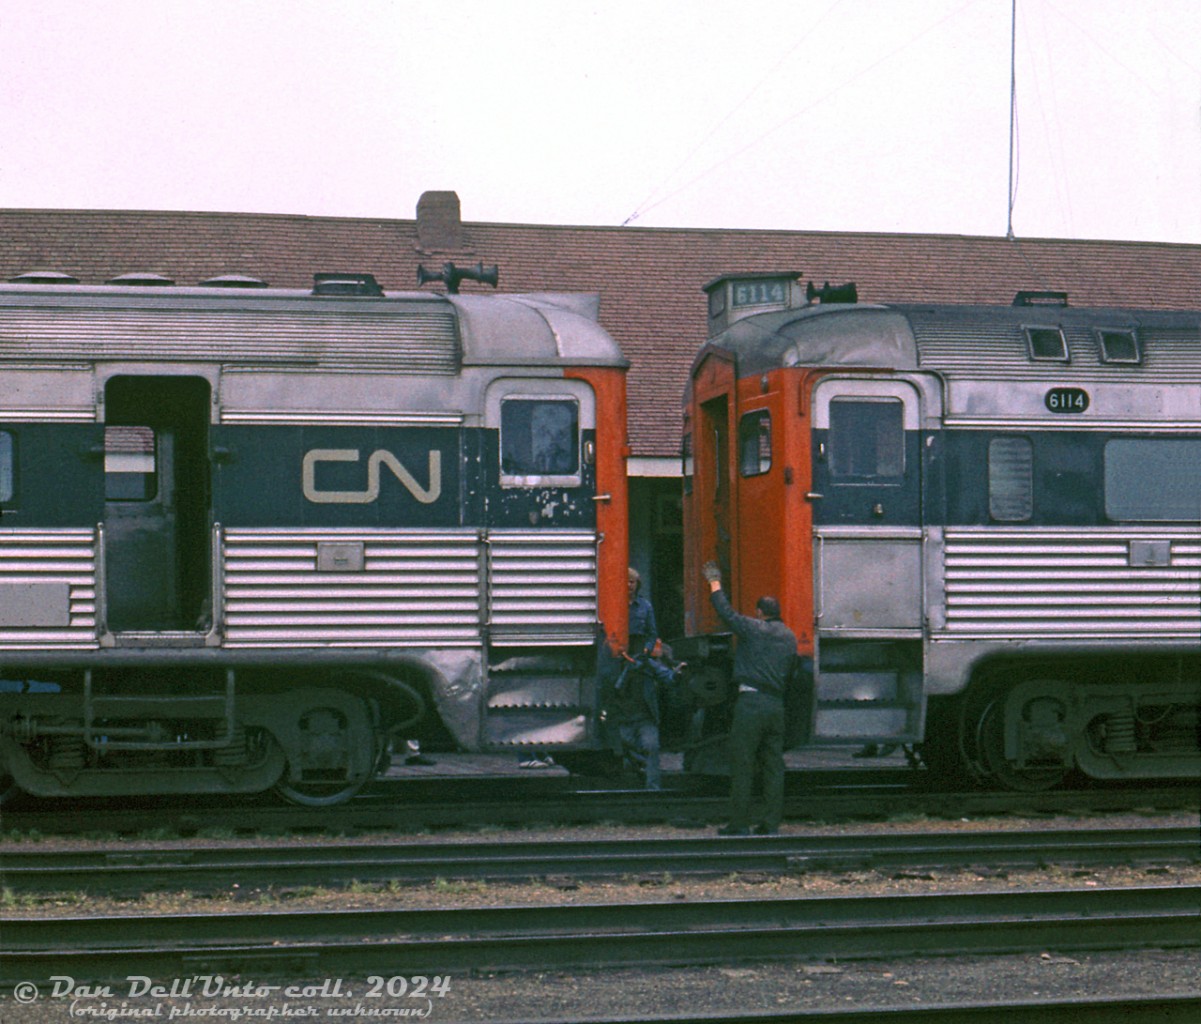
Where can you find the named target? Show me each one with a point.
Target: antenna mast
(1013, 105)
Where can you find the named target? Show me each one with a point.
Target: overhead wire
(812, 28)
(646, 208)
(1081, 30)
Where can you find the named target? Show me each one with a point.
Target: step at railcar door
(156, 510)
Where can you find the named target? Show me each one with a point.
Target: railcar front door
(867, 516)
(156, 510)
(868, 558)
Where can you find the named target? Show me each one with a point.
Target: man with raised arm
(764, 656)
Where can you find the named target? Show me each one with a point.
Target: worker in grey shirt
(763, 663)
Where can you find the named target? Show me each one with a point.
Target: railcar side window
(539, 437)
(6, 466)
(1010, 479)
(1120, 347)
(867, 438)
(1153, 479)
(686, 460)
(754, 443)
(130, 465)
(1047, 344)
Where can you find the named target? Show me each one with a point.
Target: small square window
(540, 437)
(1047, 344)
(1120, 347)
(754, 443)
(867, 439)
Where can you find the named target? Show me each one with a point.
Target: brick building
(650, 281)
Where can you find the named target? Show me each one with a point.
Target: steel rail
(1178, 1009)
(391, 810)
(26, 869)
(608, 935)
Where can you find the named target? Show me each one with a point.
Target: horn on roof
(451, 275)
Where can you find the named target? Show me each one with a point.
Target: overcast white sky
(875, 115)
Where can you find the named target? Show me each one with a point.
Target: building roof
(650, 280)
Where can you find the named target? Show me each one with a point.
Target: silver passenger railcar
(250, 536)
(982, 521)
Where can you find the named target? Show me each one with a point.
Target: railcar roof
(649, 278)
(405, 331)
(940, 337)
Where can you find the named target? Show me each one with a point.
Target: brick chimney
(439, 223)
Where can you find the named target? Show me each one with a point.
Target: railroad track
(199, 868)
(558, 937)
(1128, 1010)
(404, 805)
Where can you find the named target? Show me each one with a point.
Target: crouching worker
(634, 711)
(763, 663)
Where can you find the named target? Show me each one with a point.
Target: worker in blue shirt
(635, 706)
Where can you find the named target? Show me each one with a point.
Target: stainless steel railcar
(248, 535)
(982, 522)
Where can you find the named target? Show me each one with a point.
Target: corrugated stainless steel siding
(408, 341)
(980, 349)
(415, 589)
(1021, 584)
(543, 585)
(66, 557)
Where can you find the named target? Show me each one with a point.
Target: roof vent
(346, 284)
(451, 275)
(233, 281)
(1040, 299)
(847, 293)
(140, 279)
(43, 277)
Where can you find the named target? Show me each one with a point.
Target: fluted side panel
(414, 589)
(1082, 584)
(47, 588)
(543, 585)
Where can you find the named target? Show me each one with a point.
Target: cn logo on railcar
(380, 457)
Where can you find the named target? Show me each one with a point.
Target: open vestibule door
(157, 535)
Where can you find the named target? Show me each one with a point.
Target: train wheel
(333, 748)
(316, 792)
(990, 744)
(319, 794)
